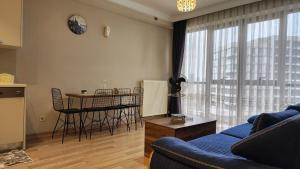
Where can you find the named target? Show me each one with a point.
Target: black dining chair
(102, 102)
(121, 102)
(137, 103)
(58, 105)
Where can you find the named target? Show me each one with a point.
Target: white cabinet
(12, 118)
(11, 14)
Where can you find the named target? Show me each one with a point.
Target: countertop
(13, 85)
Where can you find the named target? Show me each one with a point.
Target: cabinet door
(11, 120)
(11, 23)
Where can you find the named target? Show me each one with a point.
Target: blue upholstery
(294, 107)
(278, 145)
(193, 157)
(268, 119)
(291, 107)
(160, 161)
(216, 143)
(240, 131)
(252, 119)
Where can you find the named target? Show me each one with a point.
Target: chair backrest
(138, 100)
(57, 100)
(124, 99)
(105, 101)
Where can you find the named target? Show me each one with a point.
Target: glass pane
(260, 89)
(292, 60)
(194, 69)
(223, 92)
(194, 63)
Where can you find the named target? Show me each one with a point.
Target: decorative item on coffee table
(178, 118)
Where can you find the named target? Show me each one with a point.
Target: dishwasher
(12, 117)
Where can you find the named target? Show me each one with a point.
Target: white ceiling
(164, 10)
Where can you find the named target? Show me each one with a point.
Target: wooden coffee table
(157, 128)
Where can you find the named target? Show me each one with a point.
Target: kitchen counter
(13, 85)
(12, 117)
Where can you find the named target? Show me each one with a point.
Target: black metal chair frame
(137, 103)
(58, 105)
(120, 105)
(102, 102)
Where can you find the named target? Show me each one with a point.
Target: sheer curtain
(242, 61)
(292, 59)
(195, 90)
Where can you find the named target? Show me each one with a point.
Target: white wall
(52, 56)
(8, 61)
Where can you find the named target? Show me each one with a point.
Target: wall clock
(77, 24)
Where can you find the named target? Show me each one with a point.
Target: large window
(243, 68)
(194, 67)
(223, 87)
(292, 59)
(260, 89)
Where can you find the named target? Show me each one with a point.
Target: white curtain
(242, 61)
(195, 90)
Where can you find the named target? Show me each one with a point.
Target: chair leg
(63, 136)
(80, 127)
(135, 120)
(92, 125)
(127, 120)
(74, 124)
(100, 123)
(86, 116)
(56, 125)
(68, 120)
(119, 121)
(121, 111)
(131, 115)
(83, 127)
(113, 123)
(107, 121)
(140, 117)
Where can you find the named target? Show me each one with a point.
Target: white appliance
(12, 117)
(155, 98)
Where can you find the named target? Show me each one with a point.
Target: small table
(157, 128)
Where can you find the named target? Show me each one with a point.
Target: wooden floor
(124, 150)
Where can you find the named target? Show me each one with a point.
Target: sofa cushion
(277, 145)
(216, 143)
(268, 119)
(168, 150)
(291, 107)
(240, 131)
(294, 107)
(252, 119)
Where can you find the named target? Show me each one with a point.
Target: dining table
(83, 97)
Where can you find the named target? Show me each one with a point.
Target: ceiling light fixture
(186, 5)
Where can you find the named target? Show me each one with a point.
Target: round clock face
(77, 24)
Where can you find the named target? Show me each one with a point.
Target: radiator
(155, 98)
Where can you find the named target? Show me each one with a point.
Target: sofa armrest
(194, 157)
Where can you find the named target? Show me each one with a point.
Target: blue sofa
(215, 151)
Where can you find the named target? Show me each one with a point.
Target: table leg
(120, 115)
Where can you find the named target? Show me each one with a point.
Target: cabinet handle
(18, 92)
